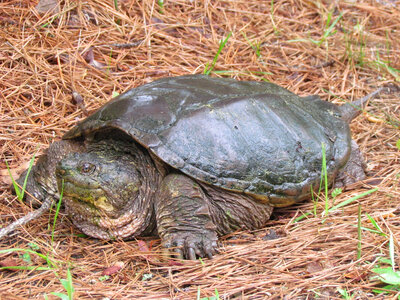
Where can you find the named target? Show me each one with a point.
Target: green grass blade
(27, 268)
(255, 47)
(216, 294)
(208, 68)
(161, 5)
(344, 203)
(57, 211)
(272, 17)
(369, 229)
(373, 222)
(27, 175)
(67, 284)
(359, 232)
(303, 216)
(50, 21)
(325, 172)
(352, 199)
(387, 275)
(327, 33)
(391, 250)
(344, 293)
(45, 257)
(14, 183)
(330, 30)
(242, 72)
(328, 19)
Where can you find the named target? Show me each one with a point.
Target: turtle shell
(251, 137)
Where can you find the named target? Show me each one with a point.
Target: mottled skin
(113, 189)
(192, 158)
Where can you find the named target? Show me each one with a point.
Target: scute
(253, 137)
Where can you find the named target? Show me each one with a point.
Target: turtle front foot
(189, 245)
(183, 218)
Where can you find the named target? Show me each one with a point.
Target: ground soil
(60, 62)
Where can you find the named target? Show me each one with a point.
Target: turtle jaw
(126, 226)
(95, 223)
(94, 198)
(99, 219)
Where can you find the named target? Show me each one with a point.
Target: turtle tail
(352, 109)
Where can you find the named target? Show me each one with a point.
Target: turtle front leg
(183, 218)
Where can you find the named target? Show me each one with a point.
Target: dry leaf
(143, 246)
(174, 263)
(374, 119)
(356, 275)
(9, 262)
(89, 58)
(15, 172)
(273, 235)
(113, 269)
(45, 6)
(374, 181)
(314, 266)
(78, 100)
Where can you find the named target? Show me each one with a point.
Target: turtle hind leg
(354, 170)
(183, 218)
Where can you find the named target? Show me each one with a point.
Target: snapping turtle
(194, 157)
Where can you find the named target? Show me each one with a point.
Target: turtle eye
(87, 168)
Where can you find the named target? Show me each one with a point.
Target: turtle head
(104, 190)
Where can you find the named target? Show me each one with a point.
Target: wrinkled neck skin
(109, 190)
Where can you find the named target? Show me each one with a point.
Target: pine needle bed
(340, 51)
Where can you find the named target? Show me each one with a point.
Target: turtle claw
(178, 253)
(191, 254)
(211, 254)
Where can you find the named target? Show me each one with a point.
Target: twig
(27, 218)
